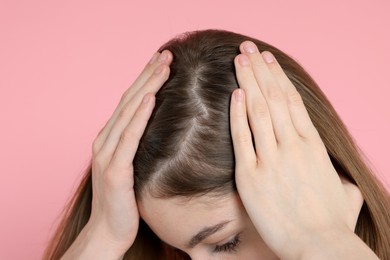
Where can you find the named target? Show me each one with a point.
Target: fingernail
(163, 57)
(154, 58)
(243, 60)
(268, 56)
(239, 95)
(250, 47)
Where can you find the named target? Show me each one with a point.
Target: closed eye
(228, 247)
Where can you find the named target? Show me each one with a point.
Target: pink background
(65, 64)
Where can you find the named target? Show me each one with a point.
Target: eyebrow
(206, 232)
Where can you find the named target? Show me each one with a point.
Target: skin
(177, 220)
(113, 224)
(291, 203)
(288, 172)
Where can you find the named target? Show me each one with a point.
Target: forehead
(176, 220)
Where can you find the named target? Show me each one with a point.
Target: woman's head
(186, 158)
(184, 165)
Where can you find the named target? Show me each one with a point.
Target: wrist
(90, 244)
(335, 244)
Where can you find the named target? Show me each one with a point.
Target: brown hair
(186, 149)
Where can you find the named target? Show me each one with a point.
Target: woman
(243, 157)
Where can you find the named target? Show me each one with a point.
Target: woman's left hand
(287, 182)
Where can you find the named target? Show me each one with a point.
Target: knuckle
(260, 109)
(240, 114)
(97, 143)
(149, 69)
(98, 159)
(95, 147)
(125, 95)
(165, 73)
(317, 142)
(101, 131)
(125, 112)
(358, 195)
(128, 136)
(274, 94)
(354, 193)
(98, 165)
(294, 98)
(112, 176)
(243, 138)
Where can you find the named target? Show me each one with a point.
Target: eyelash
(230, 246)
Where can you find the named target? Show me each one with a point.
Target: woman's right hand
(114, 216)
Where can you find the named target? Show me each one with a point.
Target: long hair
(187, 150)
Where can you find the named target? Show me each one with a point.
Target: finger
(299, 115)
(127, 113)
(277, 105)
(157, 59)
(260, 118)
(164, 58)
(244, 152)
(130, 137)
